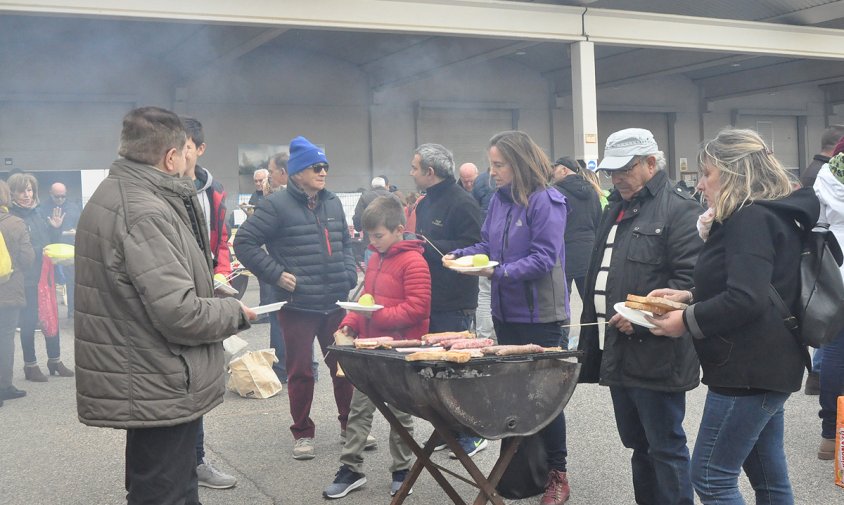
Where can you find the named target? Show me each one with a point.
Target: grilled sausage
(471, 343)
(436, 338)
(512, 350)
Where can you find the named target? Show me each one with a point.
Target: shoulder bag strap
(791, 322)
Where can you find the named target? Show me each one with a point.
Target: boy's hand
(344, 336)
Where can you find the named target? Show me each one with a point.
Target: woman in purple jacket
(523, 232)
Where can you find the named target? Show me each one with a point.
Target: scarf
(836, 166)
(704, 223)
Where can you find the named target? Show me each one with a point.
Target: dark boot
(33, 373)
(58, 368)
(557, 489)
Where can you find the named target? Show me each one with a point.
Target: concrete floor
(48, 457)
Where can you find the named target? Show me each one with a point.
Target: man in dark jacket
(148, 327)
(830, 137)
(63, 216)
(309, 259)
(447, 219)
(647, 238)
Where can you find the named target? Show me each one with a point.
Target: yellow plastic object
(60, 253)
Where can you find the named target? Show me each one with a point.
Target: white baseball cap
(623, 145)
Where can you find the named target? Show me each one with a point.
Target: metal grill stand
(491, 397)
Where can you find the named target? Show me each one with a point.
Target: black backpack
(821, 314)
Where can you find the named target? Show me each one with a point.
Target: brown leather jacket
(148, 328)
(17, 242)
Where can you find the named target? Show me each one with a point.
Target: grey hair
(659, 157)
(438, 158)
(261, 171)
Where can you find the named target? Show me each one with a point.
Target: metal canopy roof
(76, 30)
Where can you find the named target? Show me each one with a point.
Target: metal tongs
(423, 237)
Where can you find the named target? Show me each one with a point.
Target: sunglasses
(319, 167)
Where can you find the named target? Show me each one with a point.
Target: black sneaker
(471, 445)
(398, 480)
(11, 393)
(345, 481)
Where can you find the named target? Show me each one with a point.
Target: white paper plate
(473, 269)
(224, 288)
(635, 316)
(271, 307)
(355, 306)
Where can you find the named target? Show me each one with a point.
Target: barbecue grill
(494, 397)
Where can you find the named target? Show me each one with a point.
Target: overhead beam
(482, 18)
(813, 15)
(642, 29)
(771, 78)
(486, 18)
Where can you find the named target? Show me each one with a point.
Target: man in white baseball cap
(647, 238)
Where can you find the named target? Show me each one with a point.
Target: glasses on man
(626, 170)
(319, 167)
(60, 197)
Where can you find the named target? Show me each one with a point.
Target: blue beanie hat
(303, 154)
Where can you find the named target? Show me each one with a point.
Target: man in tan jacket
(149, 331)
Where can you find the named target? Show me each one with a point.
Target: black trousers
(161, 465)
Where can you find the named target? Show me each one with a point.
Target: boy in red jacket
(398, 278)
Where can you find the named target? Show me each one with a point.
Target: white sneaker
(304, 449)
(208, 476)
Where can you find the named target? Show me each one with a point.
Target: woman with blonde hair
(523, 232)
(751, 362)
(12, 299)
(24, 192)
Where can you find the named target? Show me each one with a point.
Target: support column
(584, 103)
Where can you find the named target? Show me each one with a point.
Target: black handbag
(821, 314)
(527, 472)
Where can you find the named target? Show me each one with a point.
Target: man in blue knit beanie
(309, 261)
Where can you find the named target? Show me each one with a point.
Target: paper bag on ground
(251, 375)
(839, 443)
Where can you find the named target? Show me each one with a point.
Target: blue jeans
(817, 359)
(741, 432)
(546, 335)
(832, 384)
(651, 423)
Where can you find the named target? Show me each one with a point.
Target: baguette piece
(654, 304)
(451, 356)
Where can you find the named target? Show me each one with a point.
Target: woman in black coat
(584, 202)
(751, 362)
